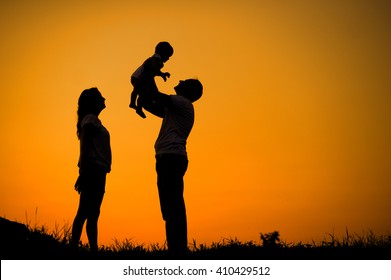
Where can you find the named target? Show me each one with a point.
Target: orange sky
(293, 132)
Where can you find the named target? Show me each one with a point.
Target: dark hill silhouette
(12, 231)
(18, 241)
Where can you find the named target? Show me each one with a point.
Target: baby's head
(165, 50)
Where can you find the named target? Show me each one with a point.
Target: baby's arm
(156, 66)
(164, 75)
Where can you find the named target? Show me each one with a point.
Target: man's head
(190, 88)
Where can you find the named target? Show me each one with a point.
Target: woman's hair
(86, 105)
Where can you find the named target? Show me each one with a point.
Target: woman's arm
(86, 136)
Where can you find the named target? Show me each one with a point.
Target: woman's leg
(95, 195)
(79, 220)
(92, 221)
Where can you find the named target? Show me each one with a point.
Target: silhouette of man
(177, 112)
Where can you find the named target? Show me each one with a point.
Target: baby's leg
(139, 111)
(133, 98)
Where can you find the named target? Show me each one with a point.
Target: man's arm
(157, 104)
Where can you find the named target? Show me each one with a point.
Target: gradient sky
(292, 134)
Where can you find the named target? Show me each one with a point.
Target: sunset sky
(293, 132)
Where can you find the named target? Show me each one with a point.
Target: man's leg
(170, 170)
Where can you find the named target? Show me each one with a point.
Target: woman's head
(90, 101)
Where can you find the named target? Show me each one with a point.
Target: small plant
(271, 240)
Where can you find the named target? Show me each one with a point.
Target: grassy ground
(20, 241)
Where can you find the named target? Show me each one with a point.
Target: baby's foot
(133, 106)
(141, 113)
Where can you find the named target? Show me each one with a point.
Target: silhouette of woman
(94, 164)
